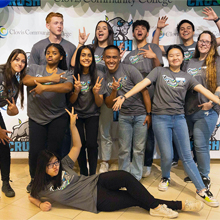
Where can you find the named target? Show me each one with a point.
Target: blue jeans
(201, 124)
(132, 130)
(173, 127)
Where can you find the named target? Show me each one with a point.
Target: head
(186, 29)
(112, 58)
(56, 56)
(175, 56)
(103, 33)
(54, 23)
(85, 59)
(140, 30)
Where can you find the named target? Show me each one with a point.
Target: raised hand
(39, 89)
(162, 22)
(12, 108)
(77, 84)
(122, 52)
(73, 117)
(82, 36)
(115, 83)
(148, 53)
(212, 16)
(57, 77)
(97, 86)
(45, 206)
(3, 136)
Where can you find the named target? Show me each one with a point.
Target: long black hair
(42, 179)
(79, 68)
(10, 78)
(62, 64)
(110, 35)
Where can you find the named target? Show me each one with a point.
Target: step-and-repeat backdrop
(22, 23)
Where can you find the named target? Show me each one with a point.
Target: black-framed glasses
(51, 165)
(206, 42)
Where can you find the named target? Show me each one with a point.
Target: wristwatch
(148, 113)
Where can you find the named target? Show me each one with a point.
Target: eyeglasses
(205, 42)
(51, 165)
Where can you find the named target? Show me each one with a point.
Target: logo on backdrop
(3, 32)
(4, 3)
(120, 28)
(26, 3)
(20, 137)
(161, 34)
(205, 3)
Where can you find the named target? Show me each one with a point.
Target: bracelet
(211, 101)
(216, 20)
(148, 113)
(39, 204)
(123, 96)
(81, 44)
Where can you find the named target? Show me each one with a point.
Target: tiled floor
(20, 208)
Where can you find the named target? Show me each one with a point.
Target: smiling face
(86, 58)
(204, 43)
(175, 58)
(55, 26)
(52, 168)
(18, 63)
(140, 33)
(102, 32)
(186, 32)
(53, 56)
(112, 59)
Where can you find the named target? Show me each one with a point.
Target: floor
(20, 208)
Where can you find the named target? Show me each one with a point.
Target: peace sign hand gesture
(162, 22)
(77, 84)
(97, 86)
(83, 37)
(39, 89)
(115, 84)
(12, 108)
(148, 53)
(57, 77)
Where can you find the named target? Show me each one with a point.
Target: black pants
(5, 158)
(110, 198)
(88, 131)
(49, 136)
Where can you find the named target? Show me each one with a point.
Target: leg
(82, 155)
(139, 143)
(91, 127)
(125, 139)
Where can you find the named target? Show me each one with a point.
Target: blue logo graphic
(4, 3)
(161, 35)
(3, 32)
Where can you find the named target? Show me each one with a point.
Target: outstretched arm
(75, 150)
(44, 206)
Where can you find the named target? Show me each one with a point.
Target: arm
(44, 206)
(75, 150)
(147, 103)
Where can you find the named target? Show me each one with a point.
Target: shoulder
(153, 46)
(42, 43)
(65, 42)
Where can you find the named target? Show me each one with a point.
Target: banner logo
(199, 3)
(26, 3)
(3, 32)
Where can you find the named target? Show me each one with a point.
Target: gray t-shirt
(197, 69)
(49, 105)
(98, 55)
(144, 65)
(12, 93)
(75, 191)
(85, 105)
(170, 90)
(37, 55)
(130, 76)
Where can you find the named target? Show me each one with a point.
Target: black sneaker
(28, 188)
(206, 181)
(174, 164)
(187, 180)
(6, 188)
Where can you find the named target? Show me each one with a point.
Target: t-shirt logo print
(98, 58)
(194, 71)
(85, 86)
(188, 55)
(134, 59)
(170, 81)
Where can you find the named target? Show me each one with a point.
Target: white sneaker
(103, 167)
(164, 183)
(163, 211)
(193, 206)
(146, 171)
(207, 198)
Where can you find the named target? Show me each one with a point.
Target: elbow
(68, 88)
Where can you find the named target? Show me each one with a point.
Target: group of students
(98, 83)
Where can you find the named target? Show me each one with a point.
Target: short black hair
(185, 21)
(141, 22)
(111, 47)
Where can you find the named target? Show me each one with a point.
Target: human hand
(83, 37)
(148, 53)
(73, 117)
(122, 52)
(162, 22)
(3, 136)
(57, 77)
(39, 89)
(148, 121)
(118, 103)
(77, 84)
(97, 86)
(212, 16)
(12, 108)
(45, 206)
(115, 83)
(206, 106)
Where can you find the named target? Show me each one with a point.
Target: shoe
(164, 183)
(103, 167)
(28, 188)
(207, 197)
(187, 180)
(206, 181)
(6, 188)
(146, 171)
(174, 164)
(163, 211)
(193, 206)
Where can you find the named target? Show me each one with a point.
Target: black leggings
(111, 198)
